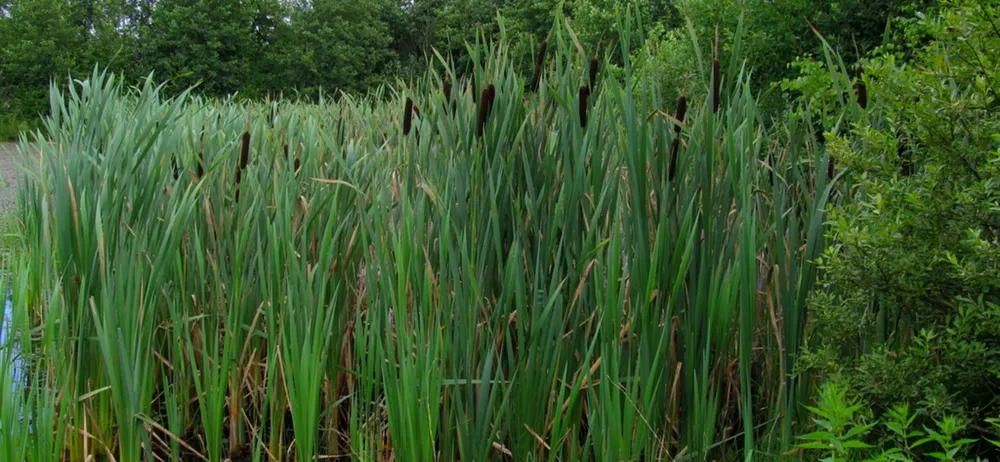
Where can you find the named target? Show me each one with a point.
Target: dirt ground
(9, 176)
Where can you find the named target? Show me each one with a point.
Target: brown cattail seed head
(483, 113)
(245, 151)
(539, 63)
(830, 169)
(584, 95)
(674, 147)
(491, 95)
(446, 89)
(861, 89)
(593, 72)
(407, 117)
(244, 160)
(682, 106)
(716, 85)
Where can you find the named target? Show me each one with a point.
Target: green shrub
(11, 127)
(842, 428)
(908, 312)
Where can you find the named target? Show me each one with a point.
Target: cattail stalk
(862, 89)
(593, 72)
(676, 144)
(407, 116)
(446, 89)
(296, 162)
(584, 96)
(674, 147)
(716, 86)
(539, 63)
(201, 155)
(474, 88)
(682, 105)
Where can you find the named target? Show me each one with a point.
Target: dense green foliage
(531, 275)
(910, 314)
(408, 252)
(267, 47)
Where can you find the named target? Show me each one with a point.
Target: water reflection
(9, 357)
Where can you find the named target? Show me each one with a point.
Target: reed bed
(564, 271)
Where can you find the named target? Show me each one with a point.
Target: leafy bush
(909, 313)
(843, 426)
(10, 127)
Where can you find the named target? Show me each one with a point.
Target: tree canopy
(266, 47)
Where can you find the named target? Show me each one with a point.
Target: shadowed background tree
(39, 41)
(216, 43)
(341, 44)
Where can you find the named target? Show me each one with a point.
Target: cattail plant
(446, 90)
(201, 153)
(676, 144)
(407, 116)
(296, 163)
(244, 155)
(820, 136)
(371, 268)
(244, 160)
(539, 64)
(716, 85)
(473, 88)
(484, 112)
(340, 122)
(174, 167)
(491, 94)
(861, 89)
(682, 105)
(593, 72)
